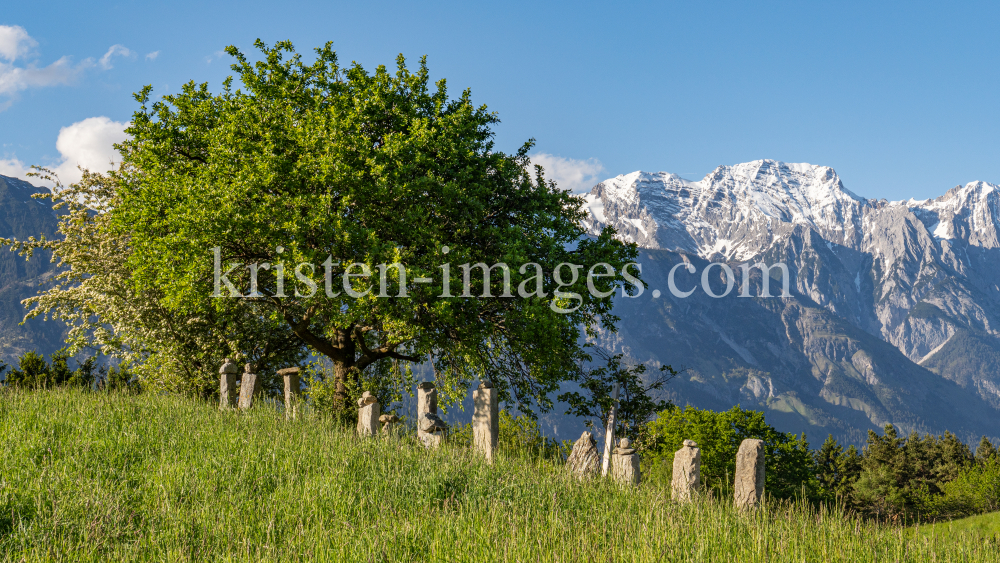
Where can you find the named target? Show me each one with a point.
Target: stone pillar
(625, 464)
(293, 391)
(427, 404)
(427, 399)
(584, 461)
(749, 473)
(609, 431)
(486, 419)
(431, 429)
(227, 384)
(687, 472)
(368, 415)
(249, 385)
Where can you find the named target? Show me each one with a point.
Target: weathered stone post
(609, 431)
(249, 385)
(584, 461)
(687, 472)
(749, 473)
(227, 384)
(486, 419)
(625, 464)
(293, 391)
(368, 415)
(427, 405)
(431, 429)
(427, 398)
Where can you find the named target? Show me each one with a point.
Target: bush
(975, 490)
(719, 434)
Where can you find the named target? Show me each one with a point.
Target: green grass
(983, 524)
(91, 477)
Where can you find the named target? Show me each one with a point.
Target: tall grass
(97, 477)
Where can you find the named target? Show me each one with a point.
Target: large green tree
(271, 196)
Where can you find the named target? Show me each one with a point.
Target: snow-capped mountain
(920, 276)
(734, 212)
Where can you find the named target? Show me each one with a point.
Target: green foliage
(902, 477)
(985, 451)
(519, 436)
(95, 477)
(117, 378)
(788, 460)
(636, 404)
(328, 166)
(976, 489)
(34, 372)
(836, 470)
(389, 382)
(95, 293)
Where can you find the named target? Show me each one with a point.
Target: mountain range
(894, 307)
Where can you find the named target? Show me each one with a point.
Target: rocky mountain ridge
(920, 276)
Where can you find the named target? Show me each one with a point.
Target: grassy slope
(984, 524)
(94, 477)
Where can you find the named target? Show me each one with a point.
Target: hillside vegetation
(92, 476)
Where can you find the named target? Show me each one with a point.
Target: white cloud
(119, 50)
(14, 79)
(15, 42)
(569, 173)
(152, 56)
(90, 144)
(13, 168)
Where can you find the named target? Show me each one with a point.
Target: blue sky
(900, 98)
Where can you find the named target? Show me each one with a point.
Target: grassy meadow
(983, 524)
(97, 477)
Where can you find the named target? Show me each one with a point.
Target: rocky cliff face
(22, 217)
(895, 306)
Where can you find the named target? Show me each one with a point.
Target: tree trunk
(343, 368)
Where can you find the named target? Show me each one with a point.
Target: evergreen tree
(883, 467)
(827, 460)
(951, 457)
(34, 372)
(850, 468)
(836, 471)
(985, 451)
